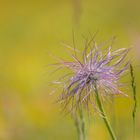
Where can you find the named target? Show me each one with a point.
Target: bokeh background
(31, 33)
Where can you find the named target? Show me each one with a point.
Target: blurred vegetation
(32, 31)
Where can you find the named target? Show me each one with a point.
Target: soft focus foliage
(31, 33)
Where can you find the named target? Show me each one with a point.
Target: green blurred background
(31, 32)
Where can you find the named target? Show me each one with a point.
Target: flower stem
(133, 85)
(107, 123)
(83, 133)
(77, 127)
(80, 124)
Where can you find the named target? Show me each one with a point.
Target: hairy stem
(133, 84)
(105, 119)
(83, 130)
(80, 125)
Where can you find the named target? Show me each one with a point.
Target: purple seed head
(103, 68)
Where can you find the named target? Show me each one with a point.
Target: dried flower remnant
(101, 67)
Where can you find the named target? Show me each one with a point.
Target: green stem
(107, 123)
(133, 85)
(80, 124)
(83, 133)
(77, 127)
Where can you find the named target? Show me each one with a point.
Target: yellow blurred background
(31, 32)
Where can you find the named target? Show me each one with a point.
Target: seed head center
(93, 77)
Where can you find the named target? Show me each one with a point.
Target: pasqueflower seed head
(101, 67)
